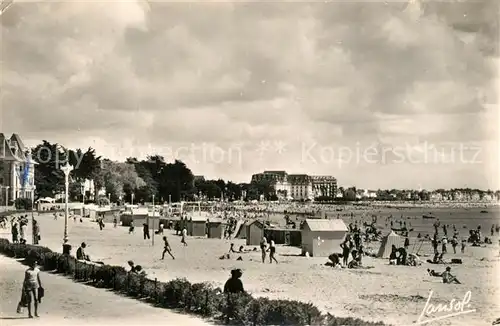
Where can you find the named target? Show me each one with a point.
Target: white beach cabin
(321, 238)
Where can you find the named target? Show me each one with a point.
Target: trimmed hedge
(202, 299)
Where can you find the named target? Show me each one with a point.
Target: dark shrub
(176, 293)
(331, 320)
(23, 204)
(235, 307)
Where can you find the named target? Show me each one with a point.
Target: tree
(49, 179)
(176, 180)
(119, 177)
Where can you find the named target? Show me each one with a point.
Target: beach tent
(387, 242)
(321, 238)
(240, 230)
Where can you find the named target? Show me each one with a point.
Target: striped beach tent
(387, 242)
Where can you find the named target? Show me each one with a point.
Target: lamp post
(67, 170)
(154, 213)
(33, 214)
(7, 197)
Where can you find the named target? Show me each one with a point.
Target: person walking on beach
(131, 227)
(183, 237)
(22, 232)
(454, 243)
(463, 246)
(263, 247)
(31, 286)
(14, 232)
(272, 252)
(166, 248)
(36, 232)
(115, 221)
(444, 242)
(346, 250)
(145, 230)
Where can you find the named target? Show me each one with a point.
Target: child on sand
(166, 249)
(131, 228)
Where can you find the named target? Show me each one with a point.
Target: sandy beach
(393, 294)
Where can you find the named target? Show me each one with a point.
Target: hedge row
(200, 298)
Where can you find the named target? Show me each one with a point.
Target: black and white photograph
(250, 162)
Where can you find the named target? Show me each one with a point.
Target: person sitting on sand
(234, 284)
(139, 271)
(335, 259)
(242, 249)
(448, 278)
(231, 248)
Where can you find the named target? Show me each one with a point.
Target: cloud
(159, 76)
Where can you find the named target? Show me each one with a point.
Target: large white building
(17, 170)
(298, 186)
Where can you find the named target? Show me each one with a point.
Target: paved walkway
(70, 303)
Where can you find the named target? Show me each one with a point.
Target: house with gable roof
(17, 170)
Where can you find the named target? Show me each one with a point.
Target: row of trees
(141, 180)
(133, 180)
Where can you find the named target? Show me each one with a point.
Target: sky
(378, 94)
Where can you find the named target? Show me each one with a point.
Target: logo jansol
(434, 312)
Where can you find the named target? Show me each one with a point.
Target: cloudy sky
(380, 95)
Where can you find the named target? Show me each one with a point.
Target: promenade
(70, 303)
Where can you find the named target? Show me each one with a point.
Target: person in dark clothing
(80, 252)
(166, 249)
(346, 250)
(435, 244)
(234, 284)
(407, 243)
(145, 228)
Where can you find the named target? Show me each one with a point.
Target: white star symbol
(263, 147)
(280, 146)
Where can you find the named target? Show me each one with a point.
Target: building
(300, 186)
(324, 186)
(17, 170)
(321, 238)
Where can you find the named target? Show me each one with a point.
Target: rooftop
(326, 225)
